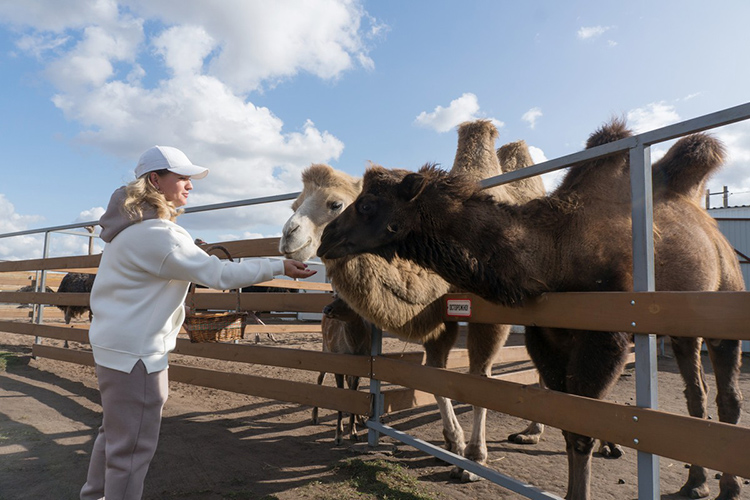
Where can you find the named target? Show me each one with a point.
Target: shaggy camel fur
(577, 239)
(344, 332)
(402, 297)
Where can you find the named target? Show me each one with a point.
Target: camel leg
(687, 354)
(339, 438)
(581, 363)
(436, 350)
(314, 418)
(483, 342)
(726, 359)
(353, 383)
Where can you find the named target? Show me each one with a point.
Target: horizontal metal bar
(243, 203)
(202, 208)
(509, 483)
(691, 126)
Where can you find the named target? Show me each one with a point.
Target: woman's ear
(153, 178)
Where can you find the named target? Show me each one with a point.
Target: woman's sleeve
(190, 263)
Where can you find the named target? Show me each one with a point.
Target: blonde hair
(140, 195)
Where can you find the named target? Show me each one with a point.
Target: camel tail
(687, 164)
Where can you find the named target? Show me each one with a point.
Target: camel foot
(700, 491)
(530, 435)
(338, 440)
(464, 476)
(521, 438)
(314, 418)
(476, 453)
(610, 450)
(729, 487)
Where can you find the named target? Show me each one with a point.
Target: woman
(137, 304)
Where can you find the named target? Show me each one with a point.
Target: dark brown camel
(576, 239)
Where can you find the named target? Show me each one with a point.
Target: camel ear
(411, 187)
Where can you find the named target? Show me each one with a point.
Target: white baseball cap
(172, 159)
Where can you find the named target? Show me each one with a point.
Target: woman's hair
(141, 194)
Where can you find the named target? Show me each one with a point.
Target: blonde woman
(137, 304)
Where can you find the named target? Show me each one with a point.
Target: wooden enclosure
(712, 315)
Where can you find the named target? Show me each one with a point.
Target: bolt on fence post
(642, 211)
(376, 349)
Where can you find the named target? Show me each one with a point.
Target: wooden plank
(297, 302)
(277, 356)
(262, 247)
(356, 402)
(406, 398)
(709, 443)
(688, 314)
(295, 328)
(61, 354)
(67, 263)
(297, 285)
(46, 331)
(333, 398)
(63, 299)
(459, 358)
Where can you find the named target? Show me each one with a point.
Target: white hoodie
(138, 296)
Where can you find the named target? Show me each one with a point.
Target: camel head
(326, 193)
(394, 205)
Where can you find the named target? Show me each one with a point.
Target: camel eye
(365, 208)
(336, 205)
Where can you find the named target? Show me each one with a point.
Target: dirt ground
(221, 445)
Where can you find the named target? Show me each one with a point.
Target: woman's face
(174, 187)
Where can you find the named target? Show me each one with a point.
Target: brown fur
(578, 239)
(344, 332)
(404, 298)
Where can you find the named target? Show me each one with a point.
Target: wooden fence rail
(696, 314)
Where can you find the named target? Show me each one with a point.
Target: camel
(576, 239)
(344, 332)
(404, 298)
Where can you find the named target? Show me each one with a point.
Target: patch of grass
(8, 359)
(375, 479)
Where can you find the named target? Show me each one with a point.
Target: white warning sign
(459, 307)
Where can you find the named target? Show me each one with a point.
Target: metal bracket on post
(642, 211)
(376, 349)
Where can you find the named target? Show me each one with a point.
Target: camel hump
(688, 163)
(610, 132)
(514, 155)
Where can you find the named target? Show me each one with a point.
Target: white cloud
(591, 32)
(186, 82)
(465, 108)
(17, 247)
(652, 116)
(531, 116)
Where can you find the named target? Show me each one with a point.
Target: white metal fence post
(642, 211)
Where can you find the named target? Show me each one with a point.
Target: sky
(257, 91)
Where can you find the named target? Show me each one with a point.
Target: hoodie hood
(115, 219)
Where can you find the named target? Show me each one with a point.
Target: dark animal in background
(76, 283)
(31, 289)
(344, 332)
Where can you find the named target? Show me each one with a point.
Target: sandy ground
(221, 445)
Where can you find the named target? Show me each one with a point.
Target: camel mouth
(290, 253)
(333, 250)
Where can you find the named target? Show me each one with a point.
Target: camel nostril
(327, 310)
(293, 229)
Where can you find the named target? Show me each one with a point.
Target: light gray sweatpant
(131, 405)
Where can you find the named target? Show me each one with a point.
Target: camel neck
(484, 249)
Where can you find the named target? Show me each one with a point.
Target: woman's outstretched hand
(297, 269)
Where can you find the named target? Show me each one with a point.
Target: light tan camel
(404, 298)
(577, 239)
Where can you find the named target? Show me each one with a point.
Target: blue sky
(257, 91)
